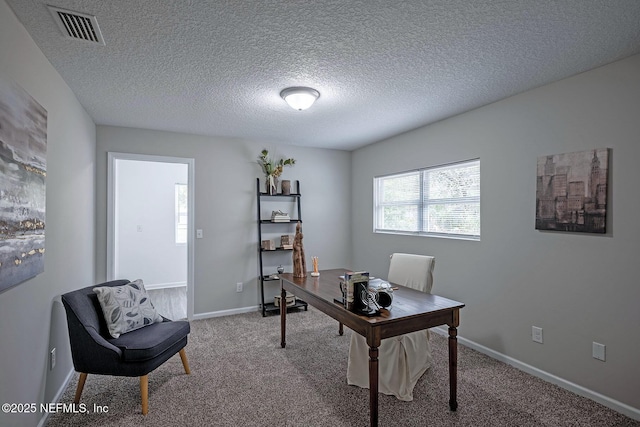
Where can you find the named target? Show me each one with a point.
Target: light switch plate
(598, 351)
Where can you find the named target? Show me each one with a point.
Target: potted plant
(273, 169)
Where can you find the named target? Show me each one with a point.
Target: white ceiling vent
(77, 26)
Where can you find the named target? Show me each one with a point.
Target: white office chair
(402, 360)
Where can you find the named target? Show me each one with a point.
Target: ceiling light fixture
(300, 98)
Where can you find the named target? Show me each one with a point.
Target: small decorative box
(285, 240)
(291, 300)
(268, 245)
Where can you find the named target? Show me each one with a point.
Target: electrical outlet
(239, 287)
(598, 351)
(536, 334)
(52, 359)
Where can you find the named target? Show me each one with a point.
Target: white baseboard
(617, 406)
(225, 312)
(56, 398)
(165, 285)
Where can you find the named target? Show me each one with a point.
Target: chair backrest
(84, 304)
(412, 271)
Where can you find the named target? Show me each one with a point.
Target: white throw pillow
(127, 307)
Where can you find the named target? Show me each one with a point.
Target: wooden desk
(411, 310)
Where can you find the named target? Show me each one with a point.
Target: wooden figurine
(299, 264)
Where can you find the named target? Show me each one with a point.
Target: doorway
(150, 227)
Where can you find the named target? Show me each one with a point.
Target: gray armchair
(133, 354)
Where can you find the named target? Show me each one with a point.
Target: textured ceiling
(381, 67)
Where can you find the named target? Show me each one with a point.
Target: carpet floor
(241, 377)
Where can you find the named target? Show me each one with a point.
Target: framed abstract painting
(23, 170)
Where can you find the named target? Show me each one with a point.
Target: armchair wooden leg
(144, 392)
(185, 362)
(81, 380)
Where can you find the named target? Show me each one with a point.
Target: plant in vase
(273, 169)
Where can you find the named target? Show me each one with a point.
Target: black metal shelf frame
(271, 307)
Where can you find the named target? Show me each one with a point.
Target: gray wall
(579, 288)
(32, 318)
(225, 188)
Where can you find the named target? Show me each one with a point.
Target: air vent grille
(77, 26)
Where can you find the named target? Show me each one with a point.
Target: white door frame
(112, 157)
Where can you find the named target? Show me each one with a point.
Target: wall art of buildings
(571, 191)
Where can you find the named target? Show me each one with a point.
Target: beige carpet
(241, 377)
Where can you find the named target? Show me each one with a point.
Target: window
(181, 213)
(437, 201)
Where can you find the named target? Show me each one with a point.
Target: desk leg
(341, 329)
(453, 368)
(373, 386)
(283, 317)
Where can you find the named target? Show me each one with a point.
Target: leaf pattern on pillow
(127, 307)
(115, 314)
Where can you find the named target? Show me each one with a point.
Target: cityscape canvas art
(571, 191)
(23, 154)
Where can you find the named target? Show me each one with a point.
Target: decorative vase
(286, 187)
(271, 185)
(280, 269)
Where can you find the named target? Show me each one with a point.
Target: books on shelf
(286, 247)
